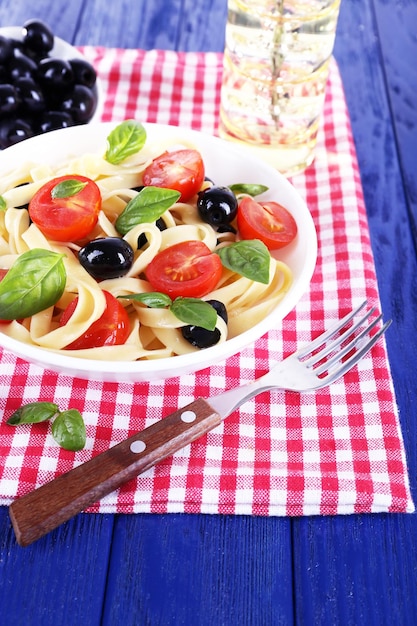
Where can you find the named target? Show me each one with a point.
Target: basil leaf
(126, 139)
(195, 312)
(251, 190)
(33, 412)
(67, 188)
(68, 430)
(35, 282)
(152, 299)
(146, 207)
(249, 258)
(3, 205)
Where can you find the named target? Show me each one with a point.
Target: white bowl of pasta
(52, 294)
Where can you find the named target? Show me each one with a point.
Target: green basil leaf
(152, 299)
(33, 412)
(35, 282)
(249, 258)
(146, 207)
(67, 188)
(68, 430)
(3, 205)
(126, 139)
(251, 190)
(195, 312)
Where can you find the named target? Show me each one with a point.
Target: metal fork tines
(325, 355)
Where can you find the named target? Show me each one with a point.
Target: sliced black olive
(106, 257)
(217, 205)
(142, 239)
(201, 337)
(6, 49)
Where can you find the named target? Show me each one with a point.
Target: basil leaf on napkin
(35, 282)
(33, 413)
(126, 139)
(249, 258)
(68, 430)
(146, 207)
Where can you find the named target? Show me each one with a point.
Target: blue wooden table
(180, 569)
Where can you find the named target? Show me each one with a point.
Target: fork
(326, 359)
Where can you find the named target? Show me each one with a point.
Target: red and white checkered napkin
(338, 450)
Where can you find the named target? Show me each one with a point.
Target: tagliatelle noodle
(154, 333)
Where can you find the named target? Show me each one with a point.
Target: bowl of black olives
(45, 84)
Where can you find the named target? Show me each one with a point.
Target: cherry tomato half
(187, 269)
(182, 170)
(111, 329)
(70, 218)
(268, 221)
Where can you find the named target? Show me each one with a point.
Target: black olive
(21, 65)
(106, 257)
(6, 49)
(9, 99)
(31, 96)
(37, 36)
(54, 120)
(55, 74)
(84, 72)
(201, 337)
(80, 104)
(217, 205)
(13, 130)
(143, 240)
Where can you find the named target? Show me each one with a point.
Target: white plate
(225, 164)
(62, 50)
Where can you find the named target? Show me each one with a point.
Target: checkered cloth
(334, 451)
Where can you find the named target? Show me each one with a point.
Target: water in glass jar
(276, 66)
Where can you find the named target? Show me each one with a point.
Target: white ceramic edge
(63, 50)
(301, 255)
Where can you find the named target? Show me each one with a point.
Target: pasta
(154, 332)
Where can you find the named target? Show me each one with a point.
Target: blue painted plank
(200, 569)
(362, 569)
(60, 579)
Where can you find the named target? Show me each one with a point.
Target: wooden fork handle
(42, 510)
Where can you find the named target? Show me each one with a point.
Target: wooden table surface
(225, 570)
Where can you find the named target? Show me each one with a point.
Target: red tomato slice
(70, 218)
(268, 221)
(182, 170)
(111, 329)
(187, 269)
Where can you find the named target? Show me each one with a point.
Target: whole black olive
(106, 257)
(54, 120)
(9, 99)
(84, 72)
(80, 104)
(21, 66)
(217, 205)
(31, 96)
(55, 74)
(201, 337)
(6, 49)
(37, 36)
(13, 130)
